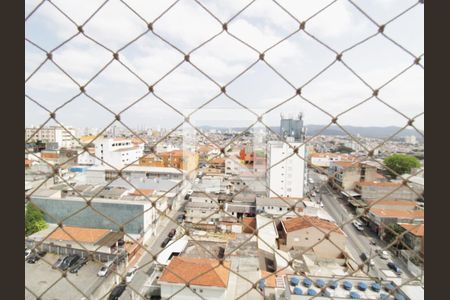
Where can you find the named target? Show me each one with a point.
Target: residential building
(372, 190)
(184, 160)
(323, 160)
(346, 174)
(286, 169)
(278, 206)
(379, 218)
(64, 137)
(304, 233)
(414, 238)
(206, 277)
(117, 152)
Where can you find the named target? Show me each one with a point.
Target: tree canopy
(392, 231)
(34, 219)
(401, 163)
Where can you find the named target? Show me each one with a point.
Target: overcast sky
(261, 25)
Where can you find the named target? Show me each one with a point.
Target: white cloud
(187, 25)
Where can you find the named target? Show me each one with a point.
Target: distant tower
(292, 127)
(286, 173)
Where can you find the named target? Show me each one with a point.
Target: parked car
(104, 270)
(394, 268)
(172, 233)
(130, 274)
(34, 257)
(117, 291)
(27, 253)
(371, 263)
(221, 252)
(321, 204)
(69, 261)
(313, 193)
(165, 242)
(59, 262)
(383, 254)
(358, 225)
(363, 257)
(80, 263)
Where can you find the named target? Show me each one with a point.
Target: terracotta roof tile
(395, 213)
(80, 234)
(417, 230)
(202, 271)
(306, 222)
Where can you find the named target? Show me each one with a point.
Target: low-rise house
(323, 160)
(279, 206)
(346, 174)
(203, 214)
(379, 218)
(372, 190)
(305, 232)
(206, 277)
(414, 238)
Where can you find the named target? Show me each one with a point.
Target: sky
(186, 25)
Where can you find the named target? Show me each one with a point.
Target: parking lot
(40, 276)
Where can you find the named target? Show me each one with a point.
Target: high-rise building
(286, 170)
(292, 127)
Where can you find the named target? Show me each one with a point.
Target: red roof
(298, 223)
(196, 271)
(396, 213)
(416, 229)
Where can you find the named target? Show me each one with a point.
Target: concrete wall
(119, 212)
(210, 293)
(378, 192)
(307, 237)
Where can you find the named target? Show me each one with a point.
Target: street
(359, 241)
(145, 261)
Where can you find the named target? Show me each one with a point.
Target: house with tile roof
(205, 277)
(309, 234)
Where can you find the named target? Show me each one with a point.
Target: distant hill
(373, 132)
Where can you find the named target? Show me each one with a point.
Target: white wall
(210, 293)
(287, 179)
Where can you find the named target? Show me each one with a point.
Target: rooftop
(417, 230)
(79, 234)
(298, 223)
(395, 213)
(196, 271)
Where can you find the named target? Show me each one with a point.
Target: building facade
(286, 172)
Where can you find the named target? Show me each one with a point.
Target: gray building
(292, 127)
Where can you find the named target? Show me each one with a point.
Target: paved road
(359, 241)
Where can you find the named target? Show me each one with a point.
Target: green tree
(344, 149)
(401, 163)
(392, 231)
(34, 219)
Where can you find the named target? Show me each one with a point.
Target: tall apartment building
(286, 176)
(118, 152)
(53, 134)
